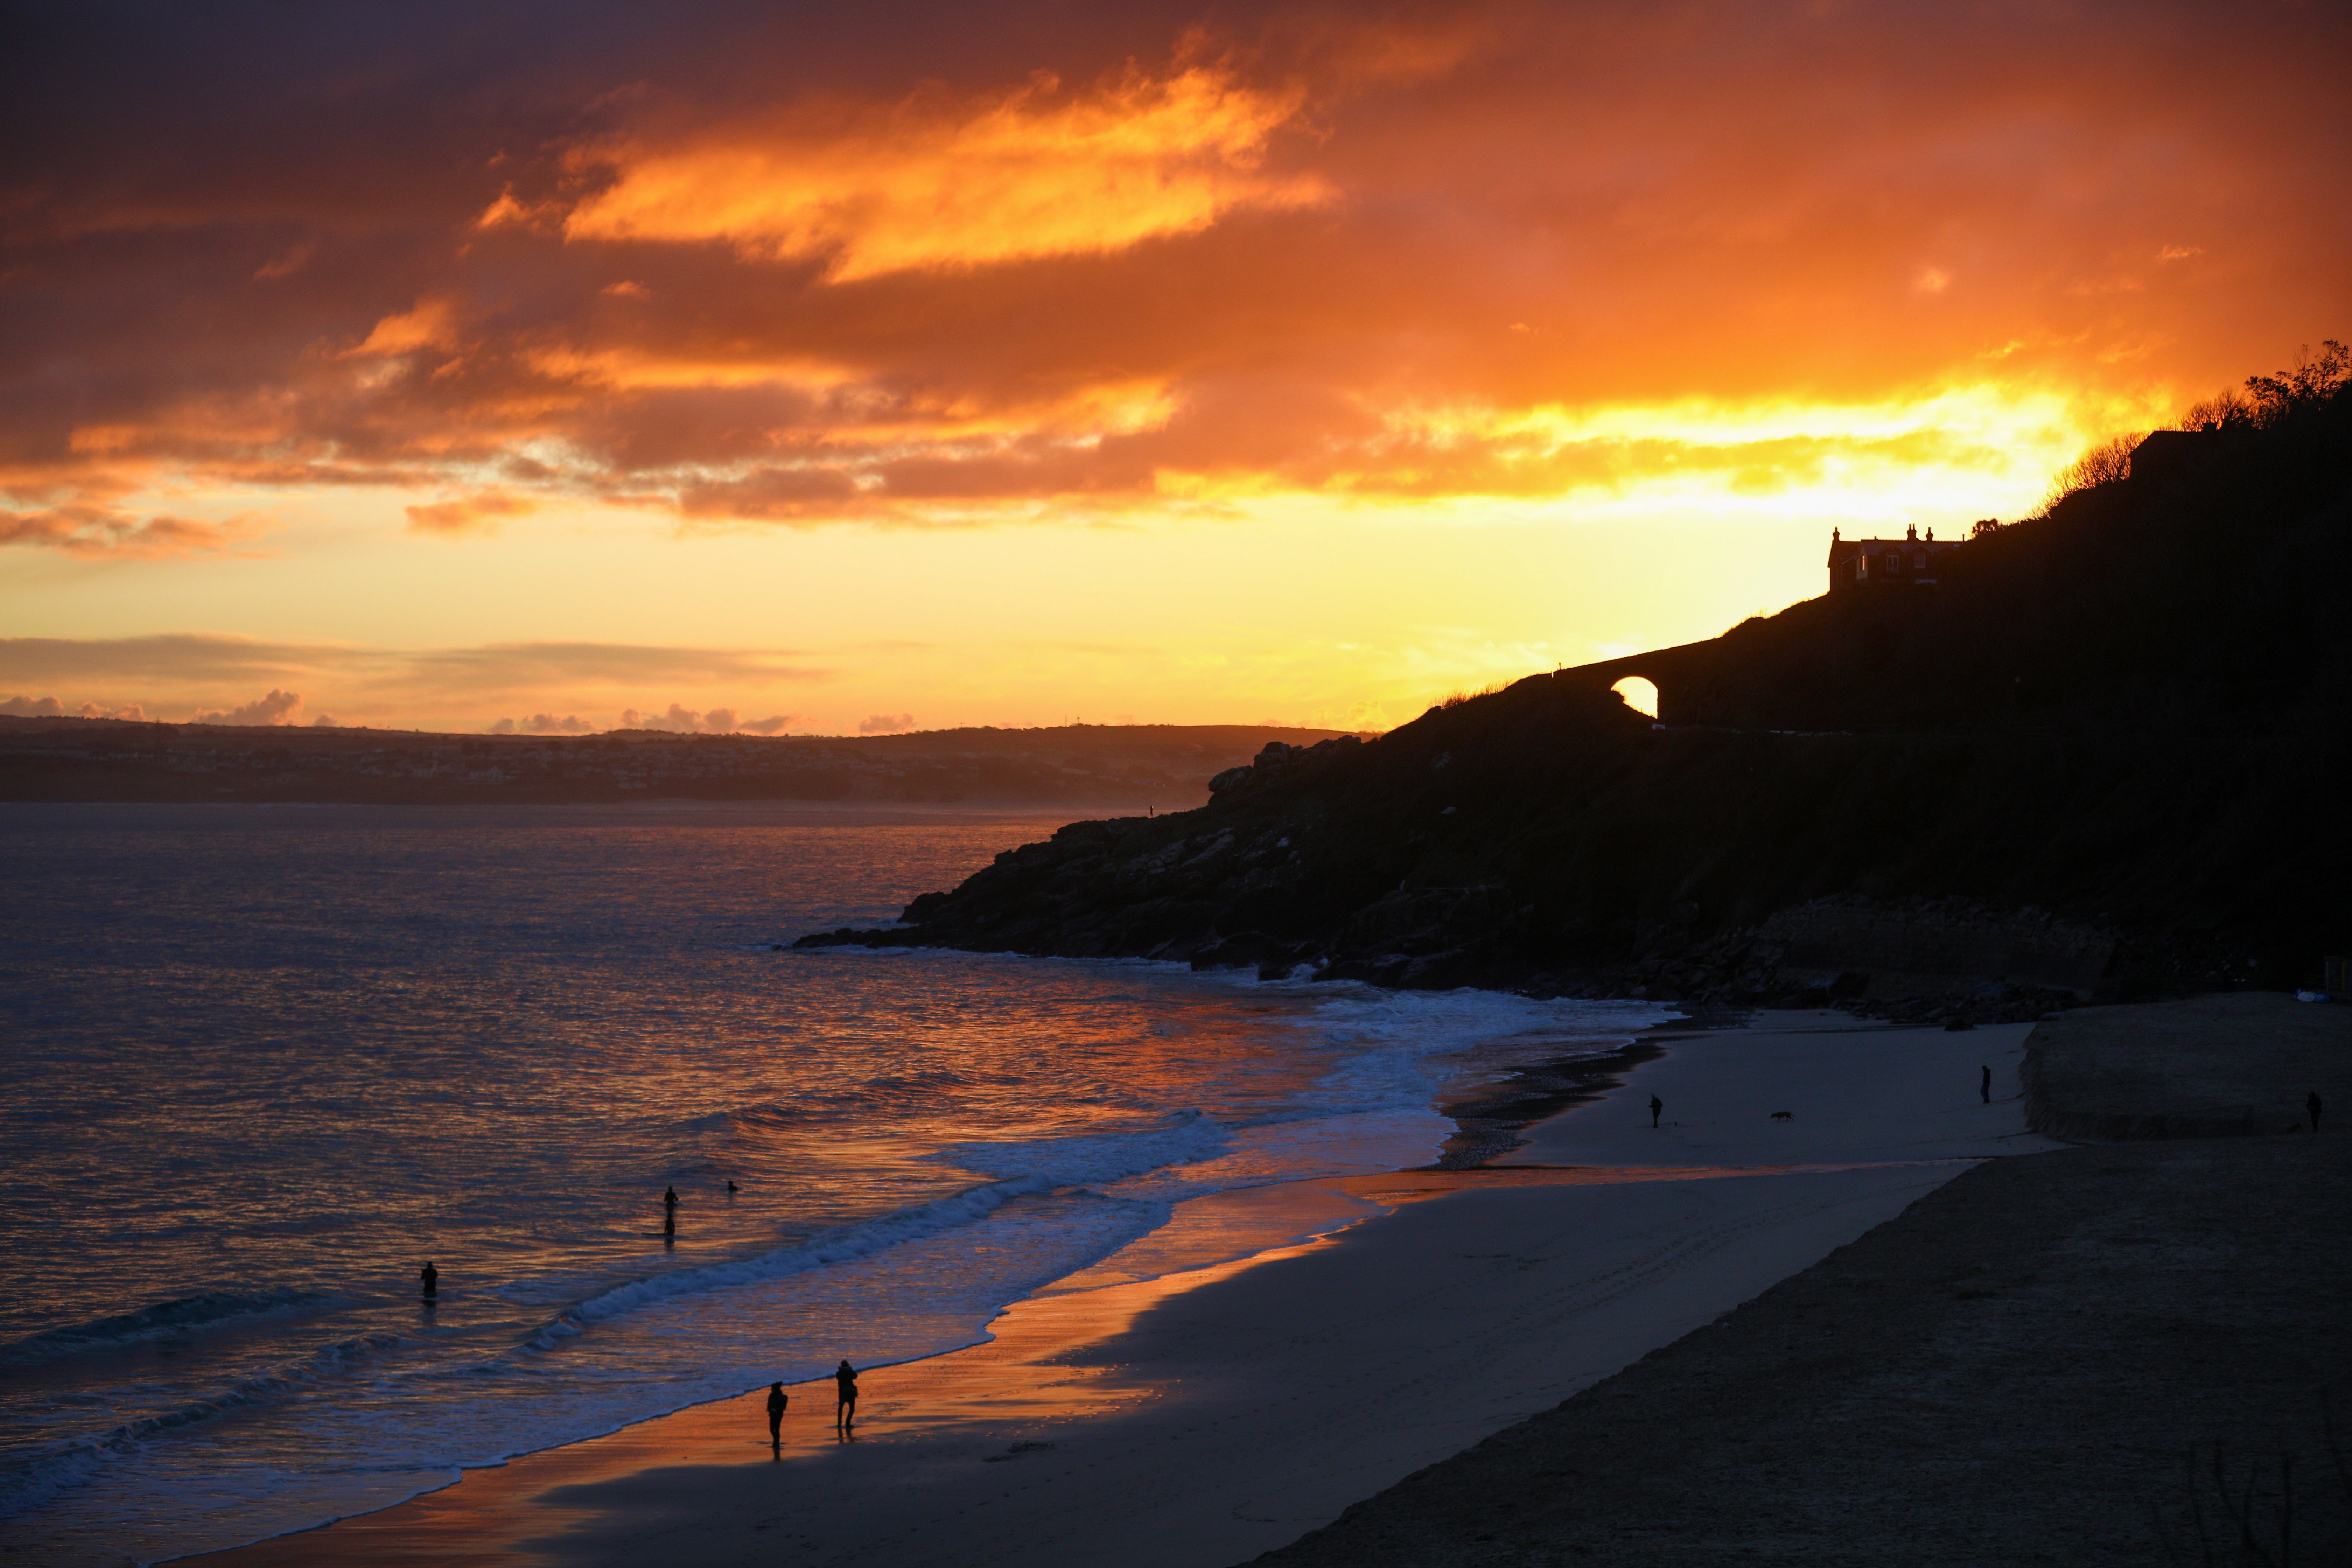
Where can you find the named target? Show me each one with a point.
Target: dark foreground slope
(2130, 715)
(2108, 1355)
(2125, 1354)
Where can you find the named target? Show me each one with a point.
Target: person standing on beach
(777, 1400)
(845, 1384)
(1984, 1090)
(2310, 1103)
(1656, 1106)
(428, 1278)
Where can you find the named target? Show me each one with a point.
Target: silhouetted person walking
(1984, 1090)
(2310, 1103)
(669, 1201)
(777, 1400)
(1657, 1105)
(428, 1280)
(845, 1384)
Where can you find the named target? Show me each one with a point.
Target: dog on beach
(1784, 1116)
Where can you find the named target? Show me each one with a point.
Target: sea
(262, 1063)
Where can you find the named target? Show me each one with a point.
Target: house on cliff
(1859, 562)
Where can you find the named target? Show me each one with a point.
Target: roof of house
(1842, 550)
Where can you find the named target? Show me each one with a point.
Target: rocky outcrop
(1276, 760)
(1926, 947)
(1547, 838)
(2108, 753)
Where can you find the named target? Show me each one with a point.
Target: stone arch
(1670, 672)
(1639, 693)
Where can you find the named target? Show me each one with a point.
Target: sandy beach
(1152, 1413)
(2117, 1354)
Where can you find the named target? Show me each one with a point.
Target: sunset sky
(820, 368)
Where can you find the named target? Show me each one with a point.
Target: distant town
(1135, 767)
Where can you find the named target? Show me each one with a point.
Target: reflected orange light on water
(1051, 1360)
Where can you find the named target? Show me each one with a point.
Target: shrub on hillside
(2312, 383)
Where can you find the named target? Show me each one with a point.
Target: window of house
(1895, 563)
(1919, 562)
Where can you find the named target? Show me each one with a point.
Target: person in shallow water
(2312, 1105)
(669, 1201)
(1657, 1105)
(428, 1280)
(777, 1400)
(845, 1384)
(1984, 1089)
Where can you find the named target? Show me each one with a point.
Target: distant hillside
(2112, 742)
(1131, 766)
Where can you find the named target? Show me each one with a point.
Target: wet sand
(1208, 1414)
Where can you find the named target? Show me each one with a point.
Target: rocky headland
(2105, 756)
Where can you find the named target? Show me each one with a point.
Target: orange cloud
(106, 532)
(933, 181)
(277, 708)
(473, 515)
(200, 673)
(1319, 255)
(50, 707)
(543, 724)
(429, 324)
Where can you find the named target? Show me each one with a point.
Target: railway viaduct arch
(1672, 671)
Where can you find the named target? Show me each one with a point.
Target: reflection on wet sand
(1036, 1370)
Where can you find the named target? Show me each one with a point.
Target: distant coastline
(1136, 767)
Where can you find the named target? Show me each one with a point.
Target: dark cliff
(2122, 725)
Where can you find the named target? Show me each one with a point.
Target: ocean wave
(1311, 1113)
(1390, 1034)
(213, 1309)
(821, 1105)
(835, 1246)
(1091, 1159)
(28, 1480)
(724, 1123)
